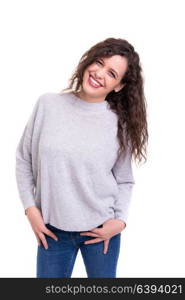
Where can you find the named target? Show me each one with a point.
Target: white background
(41, 44)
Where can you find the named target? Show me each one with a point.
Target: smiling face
(102, 77)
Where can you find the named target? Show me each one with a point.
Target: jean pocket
(53, 245)
(53, 228)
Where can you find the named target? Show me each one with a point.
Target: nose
(99, 74)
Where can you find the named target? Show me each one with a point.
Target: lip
(101, 85)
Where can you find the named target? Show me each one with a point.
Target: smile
(93, 82)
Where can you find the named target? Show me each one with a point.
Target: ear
(118, 88)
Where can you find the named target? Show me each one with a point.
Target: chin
(87, 90)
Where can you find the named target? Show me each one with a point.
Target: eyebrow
(110, 68)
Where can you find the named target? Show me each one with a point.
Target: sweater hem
(68, 228)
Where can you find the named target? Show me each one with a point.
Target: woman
(73, 162)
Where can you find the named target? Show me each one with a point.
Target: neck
(88, 98)
(84, 105)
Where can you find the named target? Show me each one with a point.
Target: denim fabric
(58, 260)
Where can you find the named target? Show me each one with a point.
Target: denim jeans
(58, 260)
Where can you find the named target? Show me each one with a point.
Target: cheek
(92, 68)
(110, 82)
(87, 71)
(86, 75)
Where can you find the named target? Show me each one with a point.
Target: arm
(23, 170)
(122, 171)
(25, 180)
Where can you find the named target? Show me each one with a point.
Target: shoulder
(46, 98)
(50, 98)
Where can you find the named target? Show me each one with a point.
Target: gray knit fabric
(67, 163)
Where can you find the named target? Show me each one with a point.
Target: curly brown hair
(129, 103)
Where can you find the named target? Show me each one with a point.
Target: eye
(98, 61)
(113, 74)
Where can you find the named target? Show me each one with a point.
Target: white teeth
(94, 81)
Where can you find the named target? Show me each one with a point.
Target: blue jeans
(58, 260)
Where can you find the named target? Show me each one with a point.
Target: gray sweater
(67, 164)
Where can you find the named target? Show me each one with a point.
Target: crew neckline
(88, 106)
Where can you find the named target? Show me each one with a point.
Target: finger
(51, 234)
(90, 234)
(106, 245)
(38, 240)
(43, 240)
(97, 240)
(96, 230)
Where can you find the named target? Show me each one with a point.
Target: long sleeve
(23, 170)
(122, 171)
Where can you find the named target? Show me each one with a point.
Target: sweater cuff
(121, 219)
(27, 208)
(27, 201)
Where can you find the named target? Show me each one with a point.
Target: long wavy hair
(129, 103)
